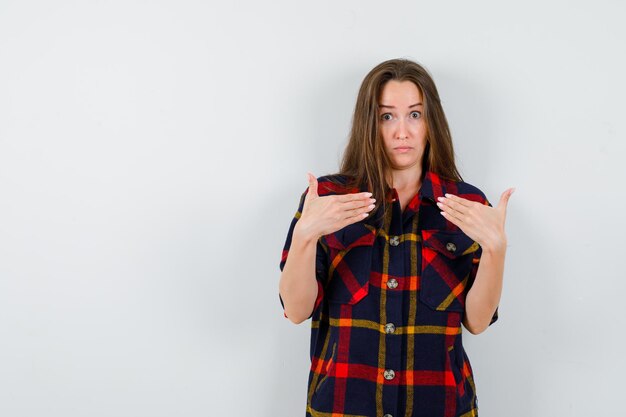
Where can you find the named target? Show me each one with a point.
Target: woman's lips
(403, 149)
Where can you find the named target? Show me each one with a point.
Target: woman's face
(401, 124)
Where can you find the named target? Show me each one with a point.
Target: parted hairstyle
(365, 162)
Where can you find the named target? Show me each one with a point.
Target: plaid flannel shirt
(386, 326)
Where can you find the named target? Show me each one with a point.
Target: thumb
(312, 185)
(504, 198)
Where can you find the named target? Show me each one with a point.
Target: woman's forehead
(396, 93)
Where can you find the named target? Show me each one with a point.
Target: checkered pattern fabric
(386, 326)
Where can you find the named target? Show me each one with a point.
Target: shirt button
(392, 283)
(394, 240)
(390, 328)
(389, 374)
(450, 246)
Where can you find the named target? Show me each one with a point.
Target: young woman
(389, 256)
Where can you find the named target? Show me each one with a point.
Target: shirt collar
(433, 187)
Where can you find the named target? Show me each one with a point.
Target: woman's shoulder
(335, 184)
(436, 185)
(470, 192)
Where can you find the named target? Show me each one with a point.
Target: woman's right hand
(323, 215)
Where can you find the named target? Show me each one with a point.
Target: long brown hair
(365, 162)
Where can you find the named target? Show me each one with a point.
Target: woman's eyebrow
(393, 107)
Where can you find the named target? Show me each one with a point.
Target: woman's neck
(406, 180)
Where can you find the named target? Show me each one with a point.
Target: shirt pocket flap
(355, 234)
(449, 243)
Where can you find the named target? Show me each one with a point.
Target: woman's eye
(414, 114)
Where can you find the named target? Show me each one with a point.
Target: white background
(152, 155)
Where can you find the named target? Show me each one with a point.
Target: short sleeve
(321, 259)
(474, 271)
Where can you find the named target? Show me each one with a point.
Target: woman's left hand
(480, 222)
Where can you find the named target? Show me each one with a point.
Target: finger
(451, 213)
(343, 198)
(353, 219)
(359, 209)
(504, 198)
(312, 185)
(459, 200)
(358, 203)
(452, 206)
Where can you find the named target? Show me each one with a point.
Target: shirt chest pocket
(447, 261)
(350, 260)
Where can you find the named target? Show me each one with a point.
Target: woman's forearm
(484, 296)
(298, 285)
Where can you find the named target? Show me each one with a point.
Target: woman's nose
(402, 131)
